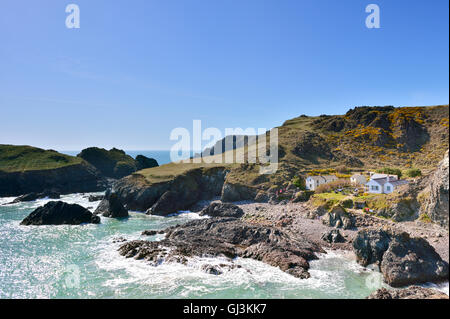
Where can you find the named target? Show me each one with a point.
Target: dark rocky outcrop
(339, 218)
(222, 210)
(60, 213)
(115, 163)
(402, 260)
(111, 207)
(434, 198)
(168, 197)
(333, 236)
(413, 292)
(230, 238)
(143, 162)
(312, 146)
(78, 178)
(34, 196)
(236, 192)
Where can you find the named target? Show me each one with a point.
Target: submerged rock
(60, 213)
(413, 292)
(402, 260)
(222, 210)
(111, 207)
(227, 237)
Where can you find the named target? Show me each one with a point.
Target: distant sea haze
(162, 157)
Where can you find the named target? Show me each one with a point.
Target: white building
(358, 179)
(312, 182)
(377, 176)
(384, 185)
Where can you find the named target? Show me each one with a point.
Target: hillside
(365, 138)
(26, 169)
(27, 158)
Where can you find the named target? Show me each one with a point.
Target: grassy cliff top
(26, 158)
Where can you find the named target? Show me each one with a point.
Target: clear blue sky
(137, 69)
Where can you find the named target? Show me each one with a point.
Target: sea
(60, 262)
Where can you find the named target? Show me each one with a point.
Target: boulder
(111, 207)
(222, 210)
(413, 292)
(339, 218)
(302, 196)
(95, 198)
(60, 213)
(412, 261)
(333, 236)
(402, 260)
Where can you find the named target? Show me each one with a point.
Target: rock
(212, 270)
(339, 218)
(60, 213)
(222, 210)
(262, 197)
(347, 203)
(113, 163)
(302, 196)
(316, 212)
(413, 292)
(370, 246)
(26, 198)
(152, 232)
(143, 162)
(412, 261)
(434, 198)
(95, 198)
(74, 176)
(236, 193)
(402, 260)
(229, 238)
(168, 197)
(111, 207)
(333, 236)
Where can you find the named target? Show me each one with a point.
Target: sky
(137, 69)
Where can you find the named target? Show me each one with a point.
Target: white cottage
(312, 182)
(384, 185)
(358, 179)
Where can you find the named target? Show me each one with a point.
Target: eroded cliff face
(77, 178)
(171, 196)
(434, 198)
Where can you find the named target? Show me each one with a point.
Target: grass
(27, 158)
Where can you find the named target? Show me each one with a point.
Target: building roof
(325, 178)
(357, 175)
(383, 181)
(378, 176)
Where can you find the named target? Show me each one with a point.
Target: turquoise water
(83, 262)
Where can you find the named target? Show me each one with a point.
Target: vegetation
(299, 182)
(24, 158)
(413, 172)
(332, 186)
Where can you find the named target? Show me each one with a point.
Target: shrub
(299, 182)
(390, 171)
(343, 170)
(326, 188)
(413, 172)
